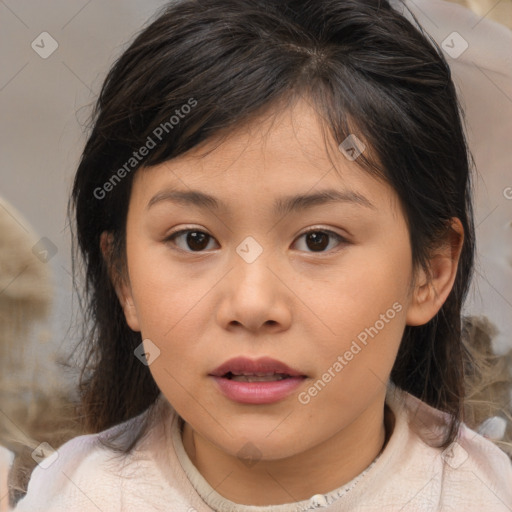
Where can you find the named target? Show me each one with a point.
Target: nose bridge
(250, 250)
(252, 295)
(251, 261)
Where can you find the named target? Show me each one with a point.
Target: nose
(253, 297)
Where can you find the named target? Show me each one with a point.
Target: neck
(318, 470)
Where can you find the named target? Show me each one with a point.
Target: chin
(262, 442)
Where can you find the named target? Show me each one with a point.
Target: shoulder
(472, 472)
(88, 475)
(6, 460)
(472, 457)
(83, 474)
(476, 473)
(64, 476)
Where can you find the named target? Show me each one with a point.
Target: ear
(431, 289)
(120, 282)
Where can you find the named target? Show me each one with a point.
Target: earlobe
(120, 283)
(432, 289)
(130, 312)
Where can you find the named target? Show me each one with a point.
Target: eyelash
(173, 236)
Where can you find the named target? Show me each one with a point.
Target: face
(312, 293)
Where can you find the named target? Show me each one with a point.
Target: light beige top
(6, 459)
(474, 475)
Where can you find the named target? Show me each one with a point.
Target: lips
(261, 369)
(261, 381)
(258, 377)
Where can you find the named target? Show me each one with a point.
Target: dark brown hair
(365, 68)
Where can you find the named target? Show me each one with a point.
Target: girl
(274, 214)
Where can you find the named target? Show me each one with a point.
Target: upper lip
(246, 366)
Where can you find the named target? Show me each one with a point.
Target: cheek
(362, 312)
(172, 315)
(164, 296)
(173, 312)
(359, 292)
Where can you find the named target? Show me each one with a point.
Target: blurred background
(500, 11)
(54, 56)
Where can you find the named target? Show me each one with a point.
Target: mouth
(260, 370)
(261, 381)
(256, 377)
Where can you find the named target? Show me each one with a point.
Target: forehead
(279, 135)
(282, 151)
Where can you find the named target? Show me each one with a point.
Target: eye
(192, 240)
(317, 240)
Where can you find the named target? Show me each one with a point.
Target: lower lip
(258, 392)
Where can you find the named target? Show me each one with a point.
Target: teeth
(259, 377)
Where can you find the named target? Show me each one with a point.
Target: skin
(294, 304)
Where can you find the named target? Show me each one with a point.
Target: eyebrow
(282, 206)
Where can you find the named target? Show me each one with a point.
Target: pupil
(316, 241)
(197, 241)
(319, 240)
